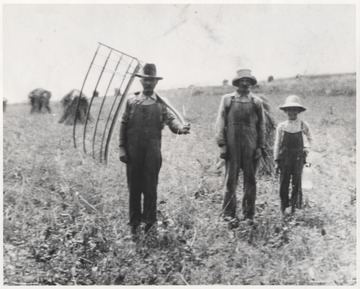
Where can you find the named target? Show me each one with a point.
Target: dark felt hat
(148, 71)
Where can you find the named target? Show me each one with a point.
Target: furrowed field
(65, 215)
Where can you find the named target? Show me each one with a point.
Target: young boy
(290, 151)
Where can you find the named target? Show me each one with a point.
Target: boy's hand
(260, 152)
(257, 155)
(306, 152)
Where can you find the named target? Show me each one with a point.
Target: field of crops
(65, 215)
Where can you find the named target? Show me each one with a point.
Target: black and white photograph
(164, 143)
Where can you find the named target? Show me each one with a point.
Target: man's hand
(277, 167)
(223, 152)
(185, 129)
(122, 155)
(306, 152)
(258, 154)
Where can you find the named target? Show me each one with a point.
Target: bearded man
(240, 135)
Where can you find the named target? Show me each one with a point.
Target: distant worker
(240, 131)
(144, 118)
(291, 147)
(72, 109)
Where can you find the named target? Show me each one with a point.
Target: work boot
(233, 222)
(249, 222)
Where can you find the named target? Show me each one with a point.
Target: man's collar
(153, 96)
(238, 95)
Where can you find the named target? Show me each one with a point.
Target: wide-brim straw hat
(148, 71)
(293, 101)
(244, 73)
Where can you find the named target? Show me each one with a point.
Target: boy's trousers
(291, 165)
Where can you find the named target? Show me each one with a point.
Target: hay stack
(40, 101)
(69, 104)
(266, 164)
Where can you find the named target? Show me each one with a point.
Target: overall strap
(283, 133)
(227, 108)
(228, 105)
(134, 104)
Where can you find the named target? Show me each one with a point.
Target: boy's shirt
(291, 126)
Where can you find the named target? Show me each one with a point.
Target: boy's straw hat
(148, 71)
(244, 73)
(292, 101)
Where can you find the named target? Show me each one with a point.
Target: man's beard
(148, 89)
(244, 88)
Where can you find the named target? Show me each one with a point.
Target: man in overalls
(292, 141)
(240, 135)
(143, 119)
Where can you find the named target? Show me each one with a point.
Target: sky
(51, 45)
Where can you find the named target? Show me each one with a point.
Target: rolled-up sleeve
(123, 124)
(278, 137)
(171, 121)
(220, 124)
(309, 140)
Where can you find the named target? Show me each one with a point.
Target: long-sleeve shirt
(220, 126)
(166, 117)
(291, 126)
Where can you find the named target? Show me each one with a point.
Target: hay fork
(127, 76)
(117, 110)
(122, 77)
(101, 107)
(92, 99)
(81, 91)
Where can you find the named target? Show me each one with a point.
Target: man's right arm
(122, 135)
(220, 124)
